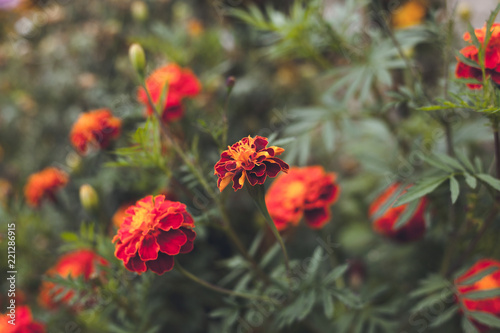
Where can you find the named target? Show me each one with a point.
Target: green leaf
(482, 294)
(420, 189)
(336, 273)
(445, 316)
(328, 305)
(430, 284)
(406, 215)
(485, 318)
(454, 189)
(471, 181)
(467, 326)
(493, 182)
(389, 203)
(431, 300)
(478, 276)
(468, 62)
(450, 161)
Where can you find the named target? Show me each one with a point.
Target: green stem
(217, 288)
(257, 193)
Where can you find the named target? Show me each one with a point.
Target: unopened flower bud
(89, 197)
(74, 161)
(230, 81)
(139, 11)
(137, 58)
(463, 11)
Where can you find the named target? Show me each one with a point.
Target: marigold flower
(249, 159)
(181, 83)
(491, 281)
(24, 322)
(409, 14)
(94, 129)
(44, 184)
(491, 57)
(308, 192)
(152, 233)
(120, 214)
(80, 263)
(384, 224)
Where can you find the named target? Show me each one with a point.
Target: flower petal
(171, 221)
(149, 248)
(135, 264)
(191, 235)
(163, 264)
(171, 242)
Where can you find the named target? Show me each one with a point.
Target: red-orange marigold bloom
(181, 83)
(251, 159)
(44, 184)
(94, 129)
(152, 233)
(80, 263)
(491, 60)
(384, 223)
(24, 322)
(491, 281)
(308, 192)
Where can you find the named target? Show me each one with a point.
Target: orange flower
(414, 228)
(80, 263)
(491, 281)
(153, 232)
(307, 192)
(24, 322)
(94, 129)
(181, 83)
(491, 57)
(409, 14)
(44, 184)
(194, 27)
(249, 159)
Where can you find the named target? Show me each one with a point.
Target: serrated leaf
(420, 189)
(69, 237)
(493, 182)
(468, 62)
(454, 189)
(430, 284)
(485, 318)
(431, 300)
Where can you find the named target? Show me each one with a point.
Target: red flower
(414, 228)
(153, 232)
(79, 263)
(24, 322)
(305, 192)
(181, 83)
(94, 129)
(44, 184)
(491, 57)
(248, 159)
(491, 281)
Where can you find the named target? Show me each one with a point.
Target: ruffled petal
(171, 242)
(163, 264)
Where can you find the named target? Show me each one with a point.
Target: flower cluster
(384, 221)
(250, 159)
(80, 263)
(307, 192)
(44, 184)
(94, 129)
(491, 57)
(491, 281)
(24, 322)
(153, 231)
(172, 82)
